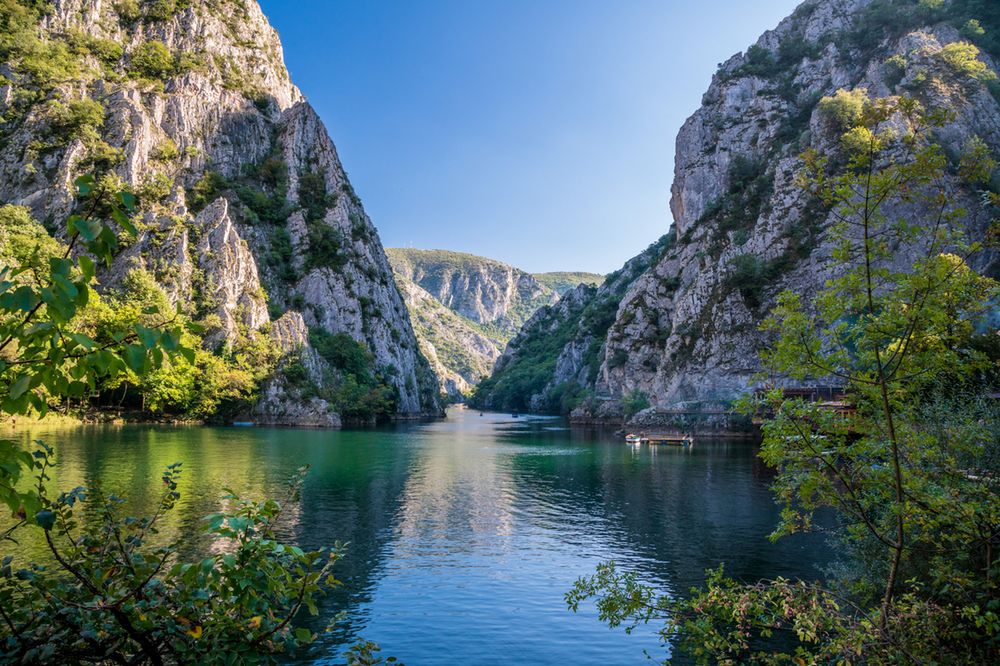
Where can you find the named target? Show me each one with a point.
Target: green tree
(634, 402)
(909, 468)
(152, 60)
(113, 592)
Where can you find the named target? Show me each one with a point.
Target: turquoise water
(466, 533)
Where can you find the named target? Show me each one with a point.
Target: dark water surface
(466, 533)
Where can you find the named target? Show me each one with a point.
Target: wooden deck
(665, 440)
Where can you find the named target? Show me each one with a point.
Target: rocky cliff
(553, 362)
(494, 295)
(465, 309)
(458, 350)
(687, 329)
(249, 222)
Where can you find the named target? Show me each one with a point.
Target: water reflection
(464, 534)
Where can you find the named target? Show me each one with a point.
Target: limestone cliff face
(687, 328)
(554, 360)
(486, 291)
(465, 309)
(247, 211)
(459, 352)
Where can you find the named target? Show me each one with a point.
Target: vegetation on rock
(113, 591)
(525, 377)
(563, 281)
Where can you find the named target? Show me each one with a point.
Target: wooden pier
(665, 440)
(671, 440)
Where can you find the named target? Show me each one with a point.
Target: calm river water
(465, 533)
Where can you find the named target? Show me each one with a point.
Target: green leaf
(188, 353)
(148, 336)
(85, 185)
(89, 230)
(19, 387)
(135, 357)
(45, 519)
(24, 298)
(87, 267)
(128, 200)
(123, 222)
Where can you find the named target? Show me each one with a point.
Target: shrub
(152, 60)
(313, 196)
(102, 156)
(156, 188)
(205, 190)
(750, 275)
(963, 59)
(108, 51)
(634, 402)
(976, 164)
(128, 11)
(162, 10)
(80, 119)
(857, 140)
(759, 62)
(845, 108)
(21, 236)
(186, 61)
(166, 151)
(895, 69)
(343, 352)
(973, 28)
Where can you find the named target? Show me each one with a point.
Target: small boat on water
(636, 439)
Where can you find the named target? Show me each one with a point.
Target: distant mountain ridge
(564, 281)
(466, 308)
(496, 296)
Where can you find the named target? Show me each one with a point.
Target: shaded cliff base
(707, 419)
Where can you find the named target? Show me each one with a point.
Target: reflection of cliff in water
(467, 532)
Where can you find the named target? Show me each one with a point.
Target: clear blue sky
(537, 132)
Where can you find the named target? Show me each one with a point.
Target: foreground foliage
(119, 596)
(909, 465)
(112, 590)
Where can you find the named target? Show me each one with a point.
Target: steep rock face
(459, 352)
(465, 309)
(230, 271)
(687, 330)
(280, 403)
(486, 291)
(553, 362)
(247, 211)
